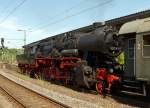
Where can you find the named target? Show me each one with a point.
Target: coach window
(131, 43)
(146, 45)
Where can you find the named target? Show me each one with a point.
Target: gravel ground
(6, 102)
(107, 102)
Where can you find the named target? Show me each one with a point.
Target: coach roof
(137, 26)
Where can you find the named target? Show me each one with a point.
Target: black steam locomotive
(82, 59)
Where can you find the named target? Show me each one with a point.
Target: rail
(8, 92)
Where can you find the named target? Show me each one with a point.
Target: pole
(25, 34)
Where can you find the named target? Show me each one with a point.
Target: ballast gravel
(72, 98)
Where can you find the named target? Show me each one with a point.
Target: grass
(9, 55)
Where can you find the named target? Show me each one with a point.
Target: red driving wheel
(100, 87)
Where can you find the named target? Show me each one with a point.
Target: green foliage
(9, 55)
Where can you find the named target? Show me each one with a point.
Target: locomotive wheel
(52, 78)
(100, 87)
(32, 74)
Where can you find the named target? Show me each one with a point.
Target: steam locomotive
(75, 58)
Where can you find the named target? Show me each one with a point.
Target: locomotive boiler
(103, 40)
(81, 59)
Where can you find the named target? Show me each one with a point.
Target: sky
(45, 18)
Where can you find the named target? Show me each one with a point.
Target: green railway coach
(136, 36)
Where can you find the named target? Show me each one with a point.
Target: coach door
(129, 58)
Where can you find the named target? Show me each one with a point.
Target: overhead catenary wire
(75, 14)
(63, 12)
(6, 7)
(12, 11)
(12, 39)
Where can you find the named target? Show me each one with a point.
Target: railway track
(25, 98)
